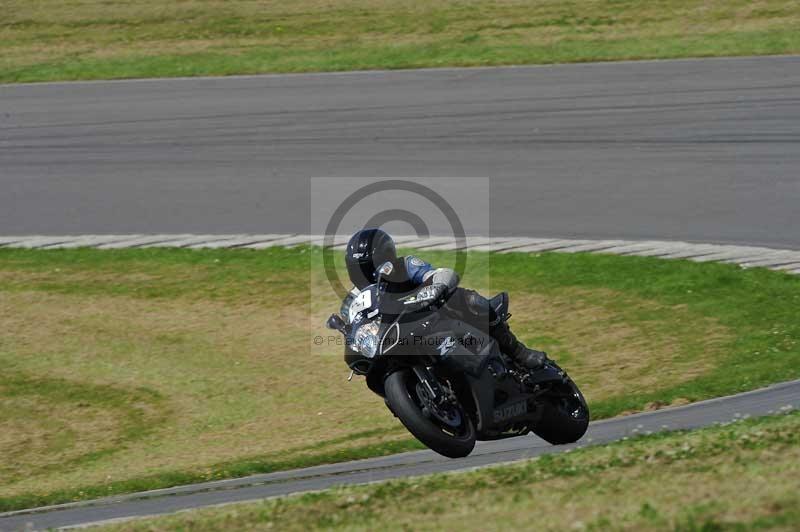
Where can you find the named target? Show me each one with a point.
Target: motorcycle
(446, 380)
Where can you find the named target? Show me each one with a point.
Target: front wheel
(446, 428)
(565, 417)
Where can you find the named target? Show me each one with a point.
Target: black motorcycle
(446, 380)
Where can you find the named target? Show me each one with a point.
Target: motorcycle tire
(565, 417)
(403, 401)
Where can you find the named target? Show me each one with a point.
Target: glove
(430, 293)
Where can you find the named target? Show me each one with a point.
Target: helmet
(367, 250)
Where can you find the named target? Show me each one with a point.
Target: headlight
(365, 339)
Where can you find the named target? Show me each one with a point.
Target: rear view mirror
(386, 269)
(336, 323)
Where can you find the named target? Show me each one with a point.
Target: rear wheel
(565, 417)
(445, 428)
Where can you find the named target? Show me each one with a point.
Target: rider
(368, 249)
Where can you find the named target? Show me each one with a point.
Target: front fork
(438, 402)
(433, 391)
(429, 383)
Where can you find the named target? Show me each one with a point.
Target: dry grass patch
(241, 379)
(238, 378)
(38, 433)
(601, 336)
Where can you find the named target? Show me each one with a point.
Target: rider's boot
(508, 343)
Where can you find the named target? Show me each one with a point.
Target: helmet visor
(362, 273)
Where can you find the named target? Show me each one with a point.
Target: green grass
(116, 363)
(93, 39)
(739, 477)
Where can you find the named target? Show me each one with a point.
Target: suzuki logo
(513, 410)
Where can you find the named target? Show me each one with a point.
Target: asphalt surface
(772, 400)
(694, 150)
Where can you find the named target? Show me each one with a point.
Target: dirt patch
(658, 405)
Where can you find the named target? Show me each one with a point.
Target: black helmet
(367, 250)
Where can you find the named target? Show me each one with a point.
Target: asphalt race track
(692, 150)
(775, 399)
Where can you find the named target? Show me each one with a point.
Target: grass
(675, 481)
(95, 39)
(129, 370)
